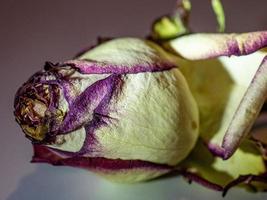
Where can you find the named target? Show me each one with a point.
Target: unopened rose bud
(122, 109)
(128, 109)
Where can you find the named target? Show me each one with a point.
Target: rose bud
(122, 109)
(131, 110)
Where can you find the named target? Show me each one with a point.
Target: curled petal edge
(201, 46)
(245, 114)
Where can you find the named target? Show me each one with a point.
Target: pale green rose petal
(156, 119)
(227, 101)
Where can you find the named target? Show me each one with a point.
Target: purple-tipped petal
(245, 114)
(200, 46)
(230, 91)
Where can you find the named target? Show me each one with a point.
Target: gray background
(34, 31)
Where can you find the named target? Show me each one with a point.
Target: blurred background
(34, 31)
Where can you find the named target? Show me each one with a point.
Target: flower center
(32, 110)
(39, 108)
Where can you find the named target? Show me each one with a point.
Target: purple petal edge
(93, 67)
(43, 154)
(254, 42)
